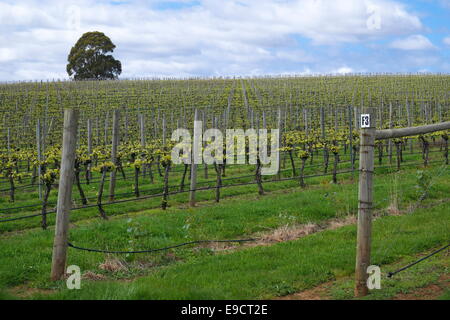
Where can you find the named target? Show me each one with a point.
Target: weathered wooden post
(125, 127)
(89, 142)
(105, 141)
(350, 138)
(279, 124)
(39, 156)
(195, 157)
(366, 167)
(305, 119)
(9, 140)
(64, 194)
(142, 129)
(390, 141)
(115, 143)
(264, 121)
(322, 129)
(164, 129)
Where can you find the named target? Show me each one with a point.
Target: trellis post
(350, 138)
(64, 194)
(39, 156)
(115, 144)
(196, 153)
(366, 168)
(89, 141)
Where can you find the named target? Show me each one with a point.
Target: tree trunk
(183, 178)
(48, 188)
(87, 174)
(34, 176)
(206, 171)
(136, 182)
(120, 168)
(150, 173)
(12, 189)
(326, 159)
(397, 149)
(302, 169)
(159, 168)
(166, 188)
(294, 174)
(445, 149)
(425, 150)
(218, 169)
(259, 178)
(336, 162)
(100, 195)
(380, 153)
(80, 189)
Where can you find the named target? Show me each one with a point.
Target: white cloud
(414, 42)
(445, 3)
(343, 70)
(446, 41)
(7, 54)
(216, 37)
(295, 56)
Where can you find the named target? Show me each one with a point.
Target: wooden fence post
(305, 119)
(115, 143)
(9, 141)
(39, 156)
(126, 127)
(196, 152)
(64, 194)
(350, 138)
(142, 129)
(390, 127)
(89, 142)
(105, 141)
(280, 139)
(164, 129)
(366, 167)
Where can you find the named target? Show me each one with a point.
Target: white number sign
(365, 121)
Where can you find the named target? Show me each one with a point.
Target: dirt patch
(430, 292)
(89, 275)
(286, 233)
(25, 292)
(113, 265)
(393, 209)
(289, 233)
(317, 293)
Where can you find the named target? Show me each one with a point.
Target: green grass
(421, 275)
(25, 257)
(446, 295)
(266, 272)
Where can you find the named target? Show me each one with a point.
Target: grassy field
(269, 268)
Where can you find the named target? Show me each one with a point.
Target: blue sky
(229, 37)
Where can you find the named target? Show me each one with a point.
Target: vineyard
(129, 196)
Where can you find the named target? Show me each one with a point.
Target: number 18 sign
(365, 121)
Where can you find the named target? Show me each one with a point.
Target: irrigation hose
(391, 274)
(159, 249)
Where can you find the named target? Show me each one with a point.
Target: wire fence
(171, 193)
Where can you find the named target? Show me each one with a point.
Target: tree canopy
(89, 58)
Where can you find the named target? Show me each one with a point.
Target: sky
(213, 38)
